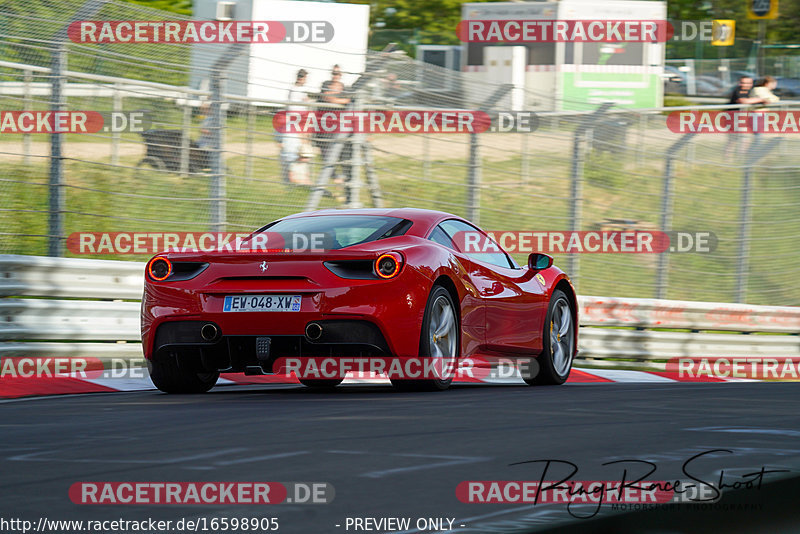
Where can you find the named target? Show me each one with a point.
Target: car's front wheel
(180, 375)
(439, 341)
(555, 361)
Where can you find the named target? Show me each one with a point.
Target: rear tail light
(383, 267)
(159, 269)
(388, 265)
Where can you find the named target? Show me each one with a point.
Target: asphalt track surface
(388, 453)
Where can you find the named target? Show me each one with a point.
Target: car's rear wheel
(439, 341)
(555, 361)
(321, 383)
(180, 375)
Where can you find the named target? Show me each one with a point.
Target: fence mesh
(503, 181)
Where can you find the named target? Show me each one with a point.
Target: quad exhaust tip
(313, 331)
(209, 332)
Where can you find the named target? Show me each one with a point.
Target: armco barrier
(615, 332)
(42, 276)
(650, 313)
(636, 331)
(62, 327)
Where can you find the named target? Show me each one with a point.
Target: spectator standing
(763, 92)
(333, 92)
(295, 148)
(740, 95)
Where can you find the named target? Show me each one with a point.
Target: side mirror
(538, 261)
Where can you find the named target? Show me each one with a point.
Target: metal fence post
(356, 162)
(758, 149)
(782, 148)
(55, 225)
(217, 186)
(744, 235)
(642, 125)
(372, 176)
(116, 107)
(474, 180)
(525, 161)
(426, 156)
(185, 141)
(56, 203)
(691, 85)
(582, 134)
(248, 139)
(667, 202)
(725, 69)
(474, 167)
(576, 196)
(27, 105)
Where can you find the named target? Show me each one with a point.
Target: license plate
(261, 303)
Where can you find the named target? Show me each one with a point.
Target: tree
(182, 7)
(409, 22)
(784, 29)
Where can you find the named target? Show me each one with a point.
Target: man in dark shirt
(740, 95)
(741, 91)
(332, 89)
(330, 92)
(333, 92)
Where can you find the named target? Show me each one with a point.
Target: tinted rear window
(344, 230)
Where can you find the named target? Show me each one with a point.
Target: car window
(439, 236)
(452, 227)
(342, 230)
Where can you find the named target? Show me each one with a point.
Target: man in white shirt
(763, 91)
(295, 148)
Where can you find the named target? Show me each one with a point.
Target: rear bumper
(238, 353)
(382, 316)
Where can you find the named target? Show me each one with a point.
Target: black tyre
(151, 163)
(555, 361)
(176, 375)
(440, 338)
(329, 383)
(149, 167)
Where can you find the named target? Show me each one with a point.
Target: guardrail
(642, 331)
(91, 308)
(100, 324)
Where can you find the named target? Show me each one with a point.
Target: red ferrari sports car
(392, 283)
